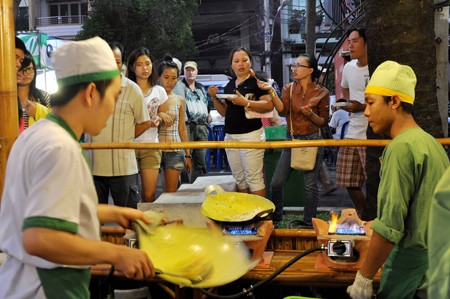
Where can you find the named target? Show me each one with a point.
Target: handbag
(302, 158)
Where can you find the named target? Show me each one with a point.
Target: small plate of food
(226, 95)
(342, 104)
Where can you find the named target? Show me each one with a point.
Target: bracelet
(188, 156)
(248, 104)
(272, 93)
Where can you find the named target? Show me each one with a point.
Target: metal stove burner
(350, 231)
(240, 230)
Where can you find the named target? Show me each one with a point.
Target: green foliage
(291, 217)
(161, 26)
(297, 21)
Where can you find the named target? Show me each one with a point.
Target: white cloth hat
(84, 61)
(191, 64)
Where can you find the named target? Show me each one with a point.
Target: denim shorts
(172, 160)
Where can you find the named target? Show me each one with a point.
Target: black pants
(196, 132)
(125, 190)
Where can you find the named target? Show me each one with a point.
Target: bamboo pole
(226, 144)
(9, 128)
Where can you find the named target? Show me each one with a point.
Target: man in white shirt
(351, 161)
(115, 170)
(50, 217)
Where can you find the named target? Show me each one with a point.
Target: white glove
(361, 287)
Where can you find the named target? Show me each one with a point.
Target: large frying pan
(175, 247)
(235, 207)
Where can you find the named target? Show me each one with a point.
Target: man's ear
(89, 93)
(396, 102)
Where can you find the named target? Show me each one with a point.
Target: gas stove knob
(340, 248)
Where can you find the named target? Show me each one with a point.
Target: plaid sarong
(350, 167)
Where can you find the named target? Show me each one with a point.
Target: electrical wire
(248, 292)
(229, 42)
(229, 32)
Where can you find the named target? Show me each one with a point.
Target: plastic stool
(141, 293)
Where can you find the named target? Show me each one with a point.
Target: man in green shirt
(438, 241)
(411, 166)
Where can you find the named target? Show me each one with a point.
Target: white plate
(342, 104)
(226, 95)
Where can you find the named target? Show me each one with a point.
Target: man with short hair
(50, 217)
(351, 161)
(115, 170)
(411, 166)
(197, 115)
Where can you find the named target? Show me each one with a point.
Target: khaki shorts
(148, 158)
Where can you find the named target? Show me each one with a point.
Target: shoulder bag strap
(290, 112)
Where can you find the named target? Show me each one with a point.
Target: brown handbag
(302, 158)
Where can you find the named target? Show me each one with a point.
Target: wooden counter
(303, 272)
(285, 244)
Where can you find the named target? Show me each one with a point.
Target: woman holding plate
(305, 104)
(242, 93)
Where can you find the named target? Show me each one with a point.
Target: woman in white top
(140, 70)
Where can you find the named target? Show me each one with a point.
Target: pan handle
(213, 189)
(263, 214)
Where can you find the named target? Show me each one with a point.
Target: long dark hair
(132, 58)
(35, 93)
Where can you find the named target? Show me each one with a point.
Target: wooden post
(9, 128)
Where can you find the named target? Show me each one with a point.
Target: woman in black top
(246, 164)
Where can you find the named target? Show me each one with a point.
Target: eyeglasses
(27, 70)
(297, 66)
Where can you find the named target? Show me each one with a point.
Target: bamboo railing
(227, 144)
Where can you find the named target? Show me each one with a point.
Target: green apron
(403, 273)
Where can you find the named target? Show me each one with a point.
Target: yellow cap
(391, 78)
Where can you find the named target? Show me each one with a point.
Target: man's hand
(134, 263)
(355, 107)
(155, 121)
(361, 288)
(121, 215)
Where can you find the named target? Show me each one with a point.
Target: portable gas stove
(255, 235)
(347, 239)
